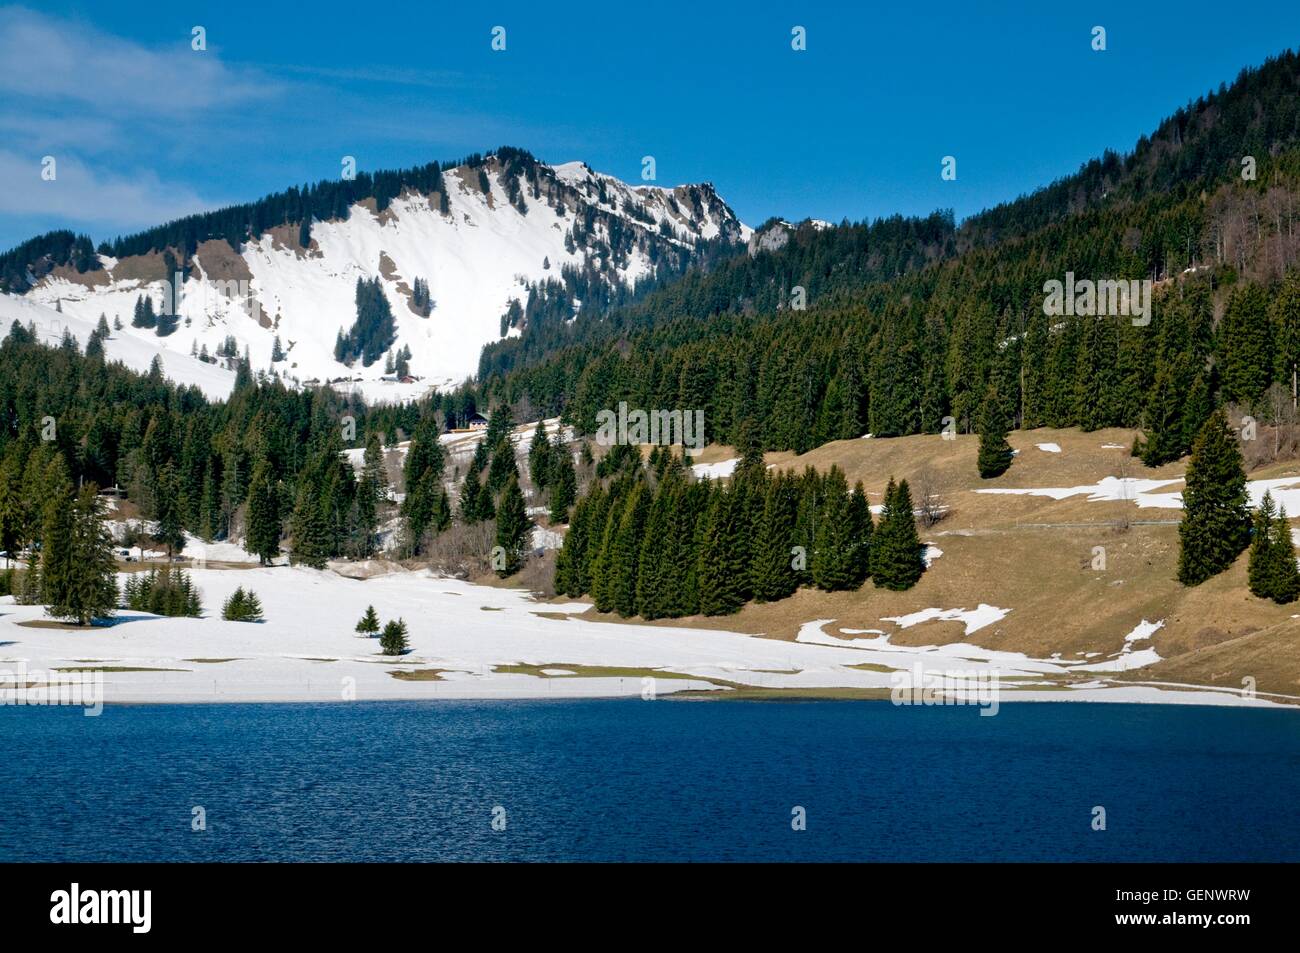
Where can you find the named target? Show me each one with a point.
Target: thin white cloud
(81, 194)
(48, 60)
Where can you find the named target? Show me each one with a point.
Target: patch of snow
(974, 619)
(135, 351)
(1285, 490)
(1049, 447)
(724, 468)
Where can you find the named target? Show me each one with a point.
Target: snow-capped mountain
(501, 228)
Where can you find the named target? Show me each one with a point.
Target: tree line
(649, 540)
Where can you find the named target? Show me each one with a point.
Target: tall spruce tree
(262, 534)
(540, 457)
(513, 529)
(78, 571)
(1260, 574)
(896, 558)
(625, 549)
(860, 533)
(721, 567)
(834, 558)
(772, 571)
(994, 453)
(1216, 520)
(1284, 586)
(563, 485)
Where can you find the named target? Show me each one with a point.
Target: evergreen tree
(262, 533)
(896, 555)
(564, 486)
(425, 462)
(772, 574)
(311, 534)
(571, 576)
(513, 529)
(393, 640)
(1248, 346)
(834, 558)
(1215, 525)
(995, 453)
(860, 533)
(167, 510)
(540, 457)
(29, 591)
(624, 553)
(369, 623)
(12, 518)
(1284, 586)
(503, 468)
(721, 566)
(1260, 573)
(78, 571)
(242, 606)
(1165, 439)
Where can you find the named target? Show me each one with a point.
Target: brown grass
(1033, 555)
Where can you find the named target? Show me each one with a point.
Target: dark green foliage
(721, 566)
(164, 591)
(78, 571)
(541, 457)
(1284, 585)
(896, 552)
(393, 639)
(425, 496)
(572, 562)
(262, 532)
(995, 453)
(513, 530)
(772, 574)
(369, 623)
(374, 330)
(624, 549)
(310, 531)
(1273, 573)
(835, 556)
(563, 484)
(1216, 522)
(1247, 336)
(41, 255)
(420, 297)
(242, 606)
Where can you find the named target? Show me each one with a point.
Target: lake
(656, 780)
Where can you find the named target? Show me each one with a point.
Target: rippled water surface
(661, 780)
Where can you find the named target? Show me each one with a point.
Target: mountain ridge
(458, 251)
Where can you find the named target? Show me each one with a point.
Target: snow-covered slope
(134, 352)
(478, 255)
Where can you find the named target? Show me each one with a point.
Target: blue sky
(145, 129)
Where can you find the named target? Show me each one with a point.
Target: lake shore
(484, 642)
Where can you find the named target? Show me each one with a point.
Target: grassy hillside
(1034, 556)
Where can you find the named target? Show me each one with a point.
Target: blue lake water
(637, 780)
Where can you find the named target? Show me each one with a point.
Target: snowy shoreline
(462, 635)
